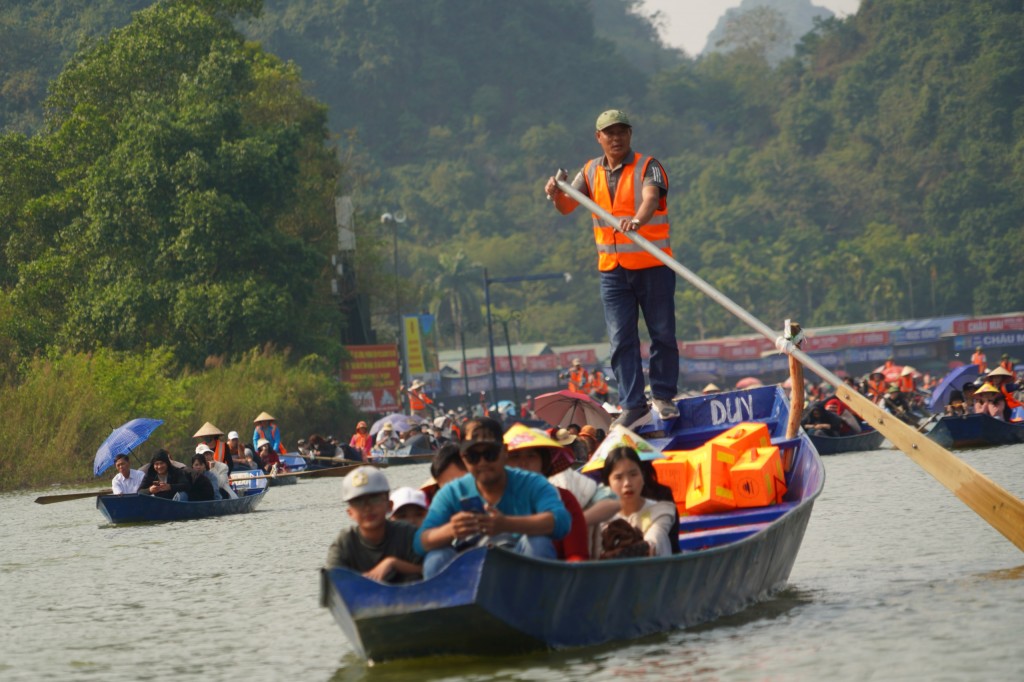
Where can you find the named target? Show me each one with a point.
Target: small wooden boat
(493, 601)
(868, 439)
(143, 508)
(975, 430)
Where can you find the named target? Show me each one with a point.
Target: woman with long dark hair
(642, 499)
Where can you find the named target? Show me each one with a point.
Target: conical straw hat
(264, 417)
(207, 429)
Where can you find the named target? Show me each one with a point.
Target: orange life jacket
(1011, 402)
(1008, 366)
(579, 379)
(978, 359)
(419, 401)
(906, 384)
(598, 385)
(876, 388)
(613, 247)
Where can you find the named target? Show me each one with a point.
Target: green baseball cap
(611, 117)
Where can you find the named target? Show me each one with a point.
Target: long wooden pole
(994, 504)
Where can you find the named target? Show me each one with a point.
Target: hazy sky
(688, 22)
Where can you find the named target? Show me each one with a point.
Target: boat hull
(975, 430)
(493, 601)
(857, 442)
(145, 508)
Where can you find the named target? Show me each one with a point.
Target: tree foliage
(852, 182)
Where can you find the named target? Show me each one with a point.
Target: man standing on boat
(633, 187)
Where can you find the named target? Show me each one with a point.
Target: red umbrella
(562, 408)
(892, 374)
(749, 382)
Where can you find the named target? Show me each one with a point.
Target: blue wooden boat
(492, 601)
(868, 439)
(975, 430)
(394, 459)
(143, 508)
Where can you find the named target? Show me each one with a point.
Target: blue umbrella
(954, 380)
(123, 439)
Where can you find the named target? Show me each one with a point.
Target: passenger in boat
(519, 507)
(1002, 379)
(1006, 363)
(203, 486)
(387, 440)
(851, 421)
(164, 479)
(632, 280)
(379, 548)
(567, 439)
(955, 407)
(876, 387)
(266, 428)
(624, 473)
(408, 505)
(588, 436)
(710, 389)
(220, 475)
(269, 460)
(361, 440)
(238, 455)
(446, 466)
(416, 441)
(821, 422)
(211, 436)
(989, 400)
(126, 480)
(532, 450)
(969, 390)
(897, 403)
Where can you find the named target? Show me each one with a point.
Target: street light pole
(511, 366)
(395, 219)
(490, 338)
(488, 281)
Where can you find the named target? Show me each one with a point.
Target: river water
(896, 580)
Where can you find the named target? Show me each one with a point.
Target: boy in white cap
(379, 548)
(408, 506)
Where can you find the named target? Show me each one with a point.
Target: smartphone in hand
(473, 504)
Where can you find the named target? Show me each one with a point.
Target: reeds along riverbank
(58, 411)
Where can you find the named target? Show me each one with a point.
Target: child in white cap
(375, 546)
(409, 506)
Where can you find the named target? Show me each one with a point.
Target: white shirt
(127, 486)
(654, 520)
(582, 487)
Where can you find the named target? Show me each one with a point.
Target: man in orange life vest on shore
(579, 379)
(979, 359)
(632, 187)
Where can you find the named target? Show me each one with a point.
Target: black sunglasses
(488, 451)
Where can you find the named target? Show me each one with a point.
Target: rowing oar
(312, 473)
(994, 504)
(50, 499)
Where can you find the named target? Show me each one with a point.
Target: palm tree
(456, 301)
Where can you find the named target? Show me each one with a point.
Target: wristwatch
(635, 222)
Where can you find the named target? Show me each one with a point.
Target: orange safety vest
(220, 451)
(1011, 402)
(419, 401)
(578, 380)
(907, 384)
(1008, 366)
(876, 389)
(598, 385)
(613, 247)
(979, 360)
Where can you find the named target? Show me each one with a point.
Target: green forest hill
(168, 174)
